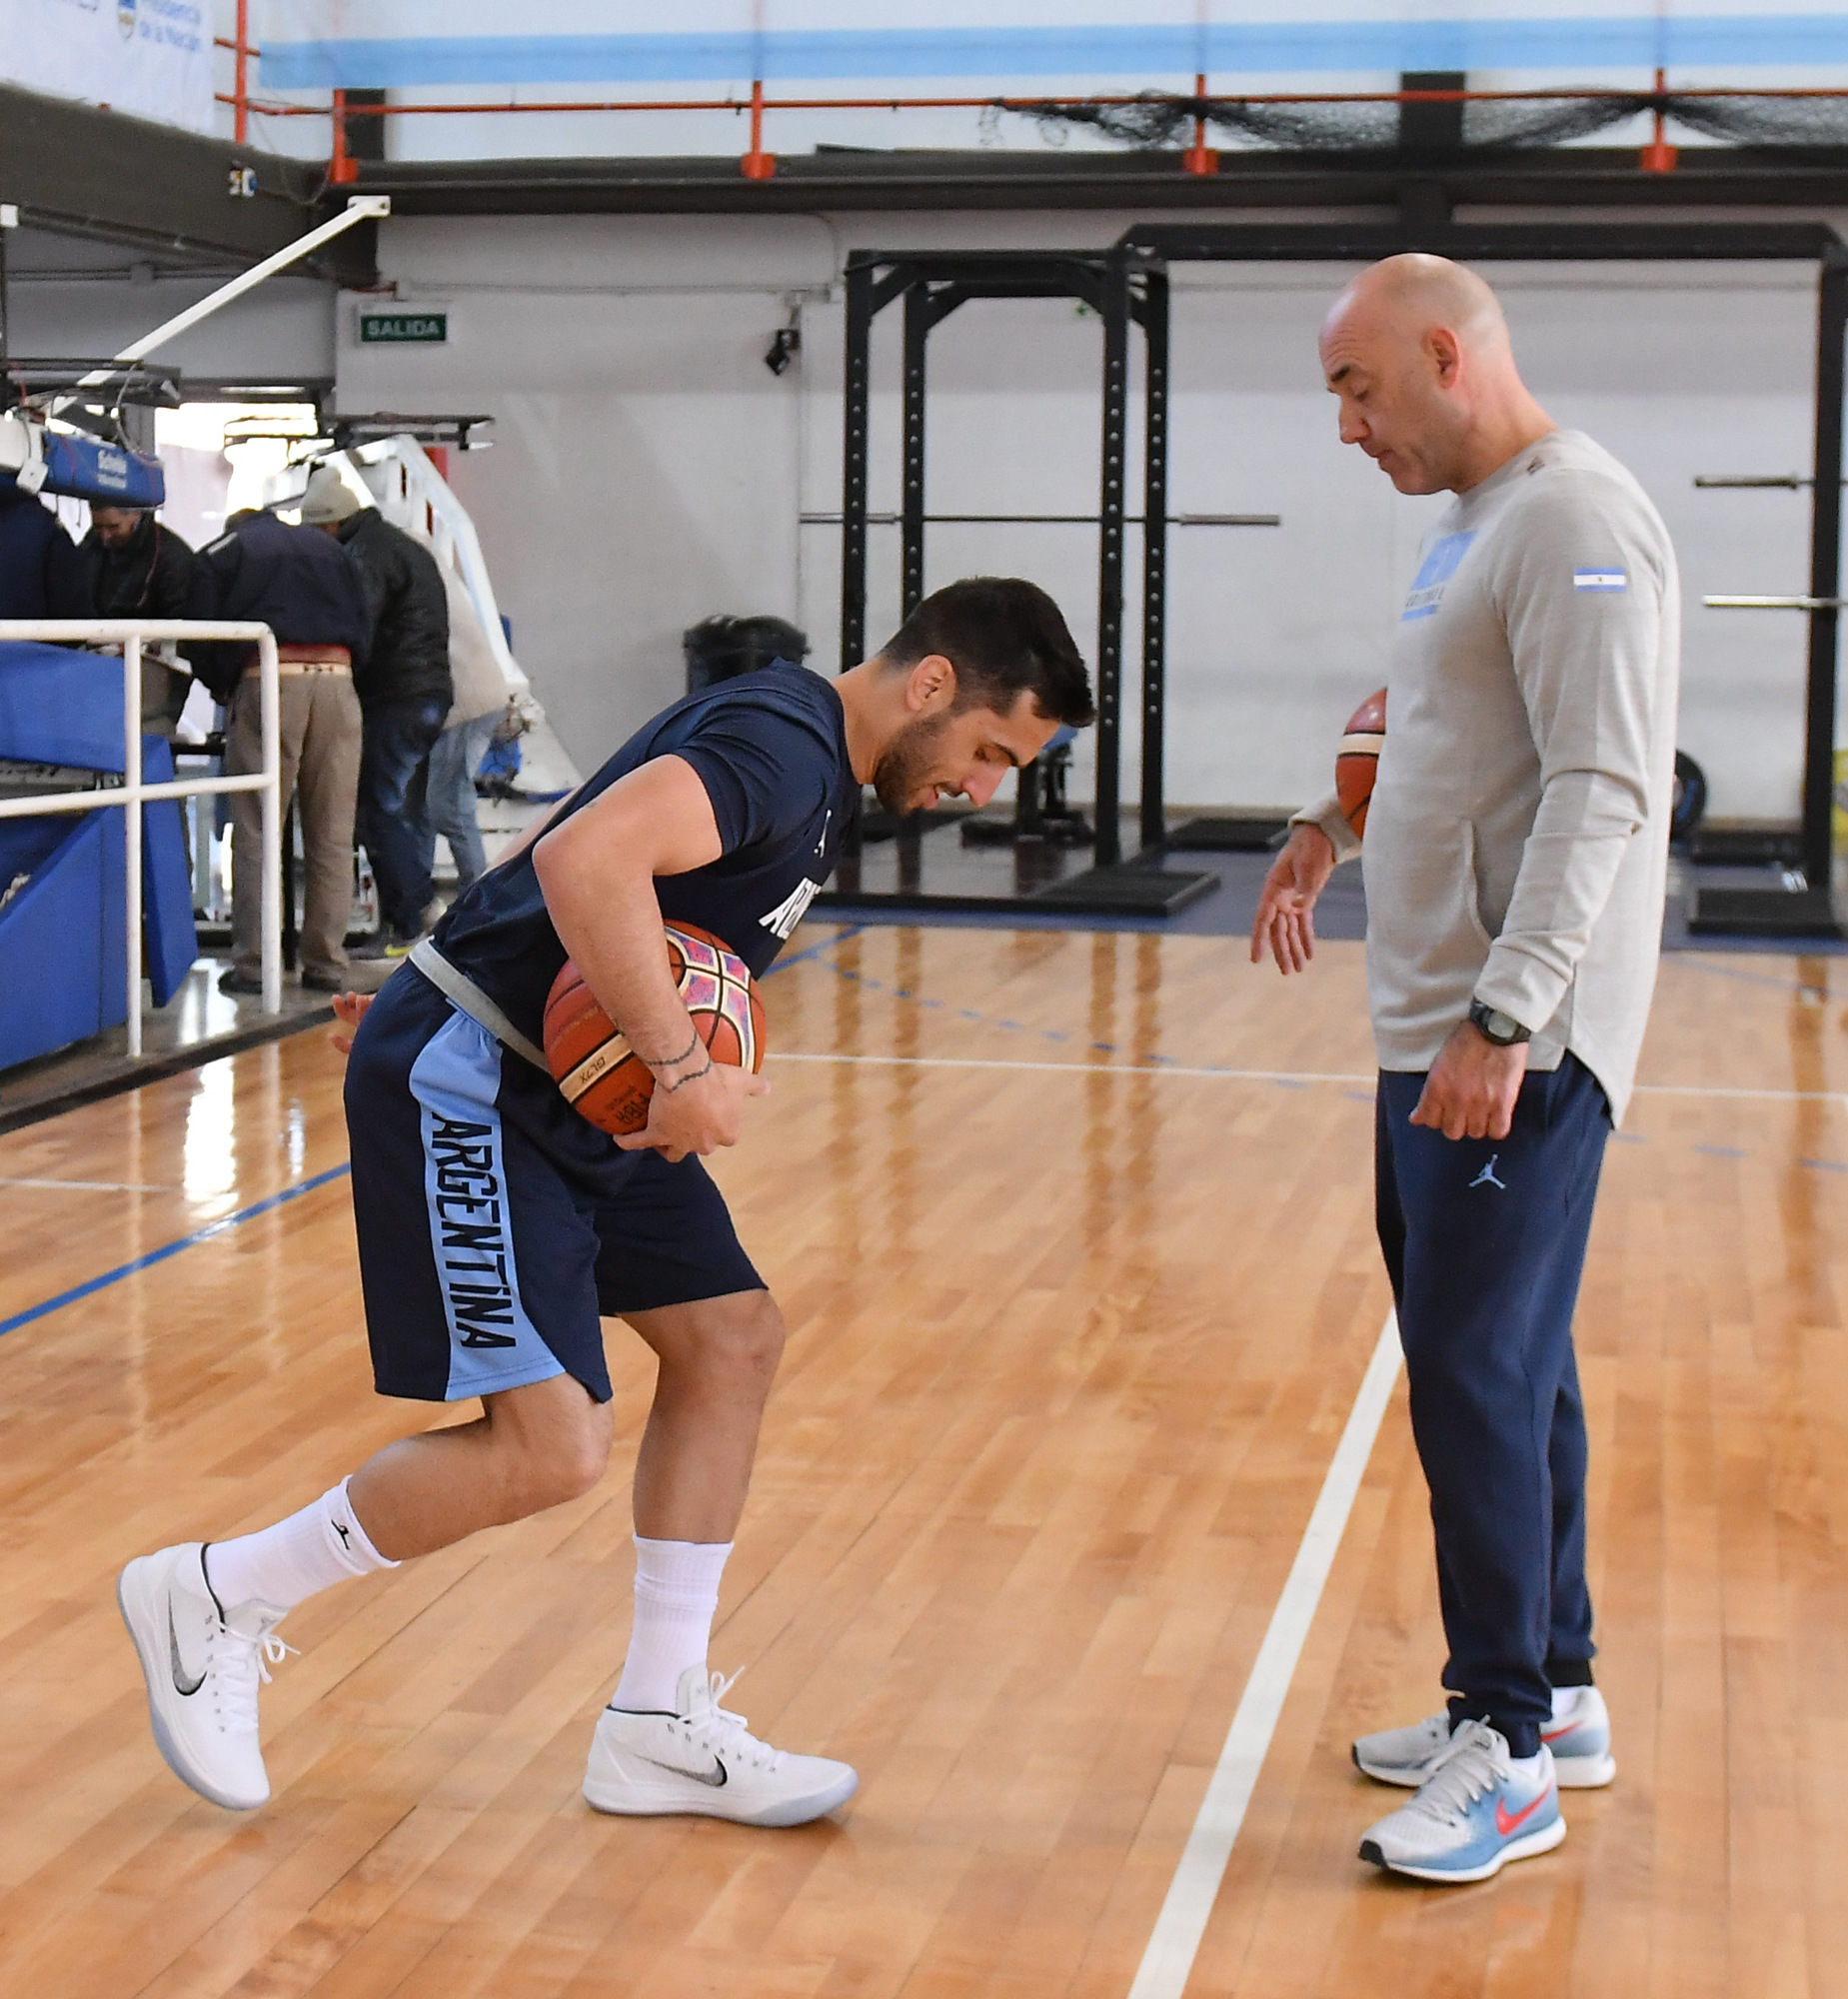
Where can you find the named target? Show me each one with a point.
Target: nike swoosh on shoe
(179, 1665)
(715, 1777)
(1505, 1824)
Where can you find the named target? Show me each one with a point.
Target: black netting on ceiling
(1488, 125)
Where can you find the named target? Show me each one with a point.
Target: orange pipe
(736, 104)
(758, 165)
(241, 119)
(1200, 158)
(341, 168)
(1659, 156)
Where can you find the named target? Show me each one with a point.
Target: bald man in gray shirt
(1515, 860)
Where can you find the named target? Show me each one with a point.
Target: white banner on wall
(152, 58)
(320, 44)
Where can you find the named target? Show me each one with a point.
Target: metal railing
(132, 794)
(758, 163)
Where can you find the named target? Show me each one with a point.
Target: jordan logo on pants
(1486, 1177)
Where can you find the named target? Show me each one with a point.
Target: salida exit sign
(425, 328)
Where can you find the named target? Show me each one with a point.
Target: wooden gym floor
(1077, 1331)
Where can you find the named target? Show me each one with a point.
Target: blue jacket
(297, 580)
(41, 573)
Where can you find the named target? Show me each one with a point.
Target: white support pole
(398, 470)
(359, 207)
(131, 827)
(269, 709)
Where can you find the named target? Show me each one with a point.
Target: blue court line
(1008, 50)
(816, 950)
(167, 1249)
(256, 1208)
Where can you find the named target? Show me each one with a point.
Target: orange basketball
(602, 1078)
(1356, 762)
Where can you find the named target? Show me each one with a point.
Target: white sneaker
(1404, 1755)
(202, 1665)
(1578, 1735)
(1579, 1738)
(1477, 1811)
(702, 1760)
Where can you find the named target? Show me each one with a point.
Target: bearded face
(901, 779)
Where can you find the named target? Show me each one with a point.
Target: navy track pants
(1484, 1240)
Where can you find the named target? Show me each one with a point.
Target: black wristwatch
(1493, 1026)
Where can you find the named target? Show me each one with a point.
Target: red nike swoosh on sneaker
(1506, 1825)
(1557, 1732)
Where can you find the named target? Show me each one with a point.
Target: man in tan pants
(303, 587)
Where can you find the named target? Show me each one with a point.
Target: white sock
(676, 1595)
(282, 1565)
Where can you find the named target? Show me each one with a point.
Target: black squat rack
(1124, 288)
(1127, 285)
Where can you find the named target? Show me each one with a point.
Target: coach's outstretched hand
(703, 1114)
(1285, 925)
(349, 1011)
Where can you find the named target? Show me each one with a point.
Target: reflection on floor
(1073, 1235)
(938, 862)
(199, 1020)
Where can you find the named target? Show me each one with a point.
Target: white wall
(281, 332)
(1678, 372)
(643, 465)
(649, 470)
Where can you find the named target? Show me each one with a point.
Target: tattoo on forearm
(669, 1061)
(692, 1076)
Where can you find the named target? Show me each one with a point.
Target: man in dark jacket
(139, 567)
(305, 590)
(41, 573)
(404, 693)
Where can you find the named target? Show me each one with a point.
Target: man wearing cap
(404, 693)
(305, 590)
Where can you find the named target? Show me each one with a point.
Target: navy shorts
(496, 1226)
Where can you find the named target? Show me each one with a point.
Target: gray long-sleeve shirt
(1517, 841)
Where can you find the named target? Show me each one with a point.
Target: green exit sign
(432, 329)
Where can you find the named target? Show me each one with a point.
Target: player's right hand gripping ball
(602, 1078)
(1356, 762)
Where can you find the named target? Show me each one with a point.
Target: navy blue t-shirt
(771, 750)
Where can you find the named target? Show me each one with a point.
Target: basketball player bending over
(496, 1226)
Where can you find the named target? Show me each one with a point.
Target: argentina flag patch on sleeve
(1605, 577)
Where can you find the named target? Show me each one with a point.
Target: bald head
(1417, 350)
(1408, 297)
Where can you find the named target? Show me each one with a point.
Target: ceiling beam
(77, 170)
(1572, 177)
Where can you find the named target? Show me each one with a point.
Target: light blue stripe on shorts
(492, 1343)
